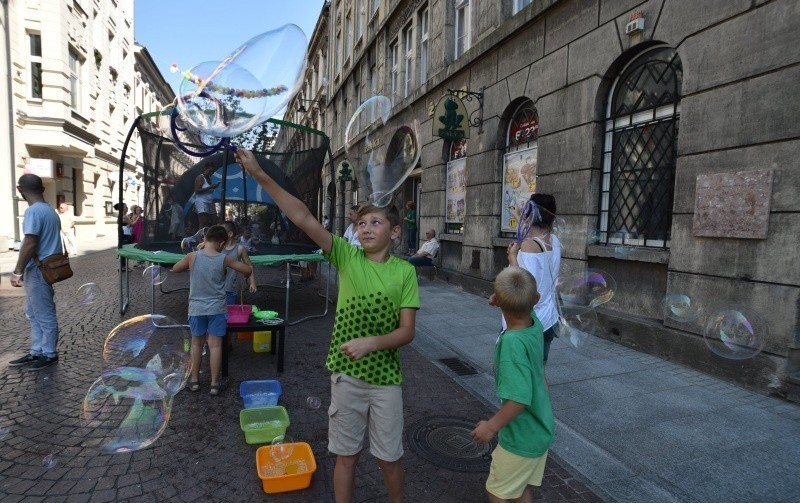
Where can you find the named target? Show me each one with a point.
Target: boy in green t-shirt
(524, 424)
(375, 316)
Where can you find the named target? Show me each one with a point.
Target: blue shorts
(212, 324)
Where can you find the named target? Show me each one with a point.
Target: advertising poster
(456, 191)
(519, 182)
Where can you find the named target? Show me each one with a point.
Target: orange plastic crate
(291, 474)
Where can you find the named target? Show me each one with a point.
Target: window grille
(640, 150)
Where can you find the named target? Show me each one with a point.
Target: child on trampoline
(208, 312)
(239, 253)
(375, 316)
(524, 424)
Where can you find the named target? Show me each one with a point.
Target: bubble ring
(173, 122)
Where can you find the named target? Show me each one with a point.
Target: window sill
(80, 118)
(501, 242)
(455, 238)
(632, 253)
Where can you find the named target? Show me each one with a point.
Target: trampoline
(169, 177)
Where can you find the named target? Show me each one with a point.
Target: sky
(188, 33)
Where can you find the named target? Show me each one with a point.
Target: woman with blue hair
(537, 250)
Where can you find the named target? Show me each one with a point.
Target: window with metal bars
(639, 151)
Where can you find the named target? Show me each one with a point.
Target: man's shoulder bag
(55, 268)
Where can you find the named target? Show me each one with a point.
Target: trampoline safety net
(169, 182)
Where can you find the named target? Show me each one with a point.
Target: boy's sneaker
(29, 358)
(43, 362)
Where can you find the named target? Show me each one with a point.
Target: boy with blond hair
(524, 424)
(375, 316)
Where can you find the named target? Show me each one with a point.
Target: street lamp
(302, 109)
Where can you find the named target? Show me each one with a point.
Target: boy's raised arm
(295, 209)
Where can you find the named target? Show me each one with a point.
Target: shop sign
(450, 119)
(43, 168)
(524, 128)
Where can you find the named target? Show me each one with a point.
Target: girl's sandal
(194, 386)
(214, 391)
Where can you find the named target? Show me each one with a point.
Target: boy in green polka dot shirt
(375, 316)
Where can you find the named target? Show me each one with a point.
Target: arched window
(639, 151)
(520, 162)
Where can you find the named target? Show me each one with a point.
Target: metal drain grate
(458, 366)
(446, 442)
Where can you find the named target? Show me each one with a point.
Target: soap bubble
(576, 324)
(735, 333)
(153, 343)
(624, 243)
(383, 155)
(589, 288)
(189, 244)
(49, 462)
(127, 409)
(155, 274)
(282, 448)
(88, 294)
(229, 97)
(681, 308)
(313, 402)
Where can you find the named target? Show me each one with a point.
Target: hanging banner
(450, 119)
(456, 191)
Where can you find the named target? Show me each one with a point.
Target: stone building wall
(737, 114)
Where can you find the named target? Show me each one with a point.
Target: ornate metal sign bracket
(476, 117)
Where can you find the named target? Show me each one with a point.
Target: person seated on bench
(427, 252)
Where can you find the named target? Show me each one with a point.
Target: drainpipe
(9, 102)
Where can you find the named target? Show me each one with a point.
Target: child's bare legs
(215, 357)
(197, 354)
(527, 497)
(393, 479)
(344, 478)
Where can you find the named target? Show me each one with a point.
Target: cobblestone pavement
(47, 453)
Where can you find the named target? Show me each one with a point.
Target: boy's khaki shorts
(356, 404)
(509, 474)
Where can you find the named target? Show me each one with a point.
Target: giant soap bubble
(383, 155)
(126, 409)
(589, 288)
(681, 308)
(145, 364)
(226, 98)
(153, 343)
(189, 244)
(735, 333)
(576, 324)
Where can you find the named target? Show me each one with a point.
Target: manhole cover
(446, 442)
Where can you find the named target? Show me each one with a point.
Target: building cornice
(66, 126)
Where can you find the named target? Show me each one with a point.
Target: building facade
(75, 81)
(663, 128)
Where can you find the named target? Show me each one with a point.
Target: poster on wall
(456, 191)
(519, 182)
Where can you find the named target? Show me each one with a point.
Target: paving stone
(202, 455)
